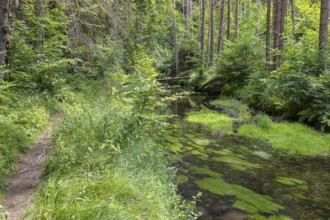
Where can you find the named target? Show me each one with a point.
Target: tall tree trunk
(175, 41)
(284, 10)
(228, 20)
(236, 19)
(202, 38)
(38, 44)
(221, 26)
(94, 29)
(4, 33)
(268, 33)
(211, 32)
(276, 32)
(208, 44)
(258, 16)
(188, 14)
(292, 16)
(323, 33)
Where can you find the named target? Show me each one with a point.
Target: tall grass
(293, 138)
(105, 166)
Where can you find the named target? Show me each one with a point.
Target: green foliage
(238, 61)
(259, 94)
(304, 95)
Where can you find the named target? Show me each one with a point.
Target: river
(235, 177)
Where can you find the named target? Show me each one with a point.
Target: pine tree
(323, 33)
(4, 32)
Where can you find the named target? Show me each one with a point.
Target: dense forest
(101, 75)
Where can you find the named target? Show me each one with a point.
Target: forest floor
(27, 177)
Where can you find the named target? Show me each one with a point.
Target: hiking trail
(23, 182)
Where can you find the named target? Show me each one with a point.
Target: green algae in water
(181, 179)
(196, 146)
(196, 152)
(238, 167)
(203, 157)
(299, 196)
(201, 141)
(233, 160)
(302, 187)
(223, 152)
(190, 136)
(204, 171)
(298, 184)
(289, 181)
(247, 200)
(176, 147)
(262, 154)
(171, 139)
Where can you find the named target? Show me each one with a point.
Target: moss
(238, 163)
(247, 200)
(204, 171)
(212, 120)
(262, 154)
(291, 137)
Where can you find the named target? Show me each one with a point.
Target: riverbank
(287, 137)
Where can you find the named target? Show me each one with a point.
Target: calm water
(242, 178)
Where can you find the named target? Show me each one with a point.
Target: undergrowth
(105, 165)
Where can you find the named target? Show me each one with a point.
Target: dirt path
(27, 177)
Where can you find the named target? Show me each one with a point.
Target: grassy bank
(292, 138)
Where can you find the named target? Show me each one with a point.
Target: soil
(27, 177)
